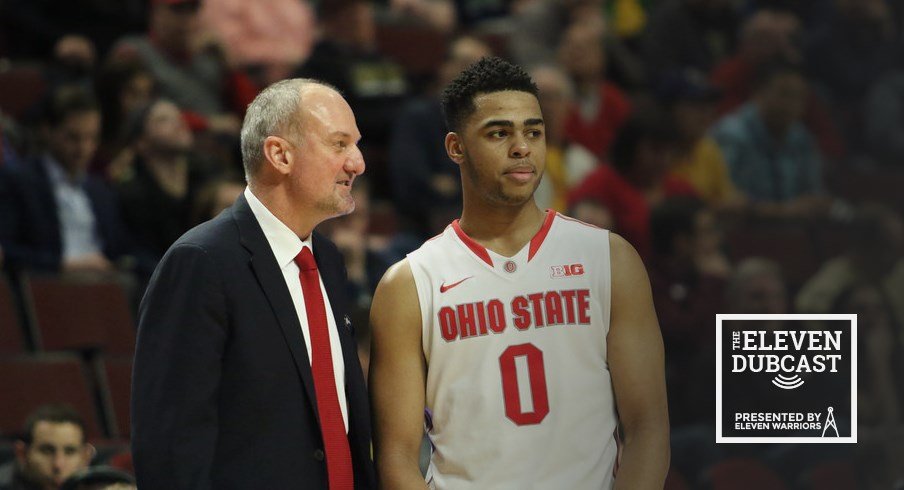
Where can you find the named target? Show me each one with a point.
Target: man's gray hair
(274, 112)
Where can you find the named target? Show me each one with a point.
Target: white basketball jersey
(518, 383)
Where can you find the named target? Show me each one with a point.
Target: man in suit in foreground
(246, 373)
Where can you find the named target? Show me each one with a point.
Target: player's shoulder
(572, 226)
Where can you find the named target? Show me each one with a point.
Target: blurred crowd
(751, 150)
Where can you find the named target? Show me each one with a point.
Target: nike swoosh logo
(443, 288)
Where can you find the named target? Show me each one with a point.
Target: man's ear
(454, 148)
(88, 453)
(276, 154)
(20, 449)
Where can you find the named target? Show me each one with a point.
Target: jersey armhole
(424, 296)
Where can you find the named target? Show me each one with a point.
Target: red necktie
(335, 440)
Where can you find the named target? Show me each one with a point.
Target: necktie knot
(305, 260)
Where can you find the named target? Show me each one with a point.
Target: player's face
(326, 159)
(503, 148)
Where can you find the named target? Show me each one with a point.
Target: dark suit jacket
(222, 392)
(30, 222)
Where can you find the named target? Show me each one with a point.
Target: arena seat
(74, 314)
(21, 87)
(115, 379)
(12, 340)
(743, 474)
(27, 382)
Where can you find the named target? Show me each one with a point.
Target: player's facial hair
(495, 193)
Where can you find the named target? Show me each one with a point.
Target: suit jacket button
(318, 454)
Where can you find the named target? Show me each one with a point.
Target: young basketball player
(528, 336)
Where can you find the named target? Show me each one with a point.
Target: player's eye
(499, 133)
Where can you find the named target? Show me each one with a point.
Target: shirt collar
(284, 242)
(57, 174)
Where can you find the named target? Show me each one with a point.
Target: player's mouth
(521, 173)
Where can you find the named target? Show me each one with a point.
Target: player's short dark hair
(56, 413)
(489, 74)
(66, 101)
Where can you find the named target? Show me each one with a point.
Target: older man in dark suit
(246, 374)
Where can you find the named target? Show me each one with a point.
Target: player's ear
(454, 148)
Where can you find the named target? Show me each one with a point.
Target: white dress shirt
(286, 245)
(78, 230)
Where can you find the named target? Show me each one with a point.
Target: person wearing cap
(689, 99)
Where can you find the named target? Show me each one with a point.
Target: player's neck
(502, 229)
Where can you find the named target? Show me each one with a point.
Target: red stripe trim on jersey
(537, 240)
(478, 249)
(568, 218)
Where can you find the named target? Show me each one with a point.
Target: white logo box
(720, 439)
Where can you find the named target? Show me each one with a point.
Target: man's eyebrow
(534, 122)
(498, 122)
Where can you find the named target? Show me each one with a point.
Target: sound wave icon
(787, 382)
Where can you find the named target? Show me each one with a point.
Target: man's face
(326, 158)
(174, 25)
(763, 293)
(74, 141)
(503, 148)
(783, 100)
(581, 52)
(165, 131)
(57, 450)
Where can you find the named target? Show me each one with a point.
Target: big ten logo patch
(786, 378)
(567, 270)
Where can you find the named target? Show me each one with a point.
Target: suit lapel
(271, 280)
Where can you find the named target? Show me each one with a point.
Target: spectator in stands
(52, 448)
(122, 87)
(771, 155)
(157, 194)
(438, 14)
(601, 107)
(689, 34)
(216, 195)
(566, 164)
(190, 69)
(266, 38)
(426, 188)
(53, 215)
(687, 275)
(689, 99)
(852, 50)
(770, 35)
(884, 124)
(758, 287)
(638, 177)
(346, 57)
(875, 257)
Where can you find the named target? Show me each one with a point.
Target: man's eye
(499, 133)
(536, 133)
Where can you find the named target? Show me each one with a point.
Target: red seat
(117, 380)
(11, 339)
(419, 50)
(744, 474)
(21, 87)
(74, 314)
(29, 382)
(834, 475)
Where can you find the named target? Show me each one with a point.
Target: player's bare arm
(397, 379)
(636, 363)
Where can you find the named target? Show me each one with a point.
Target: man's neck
(502, 229)
(278, 202)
